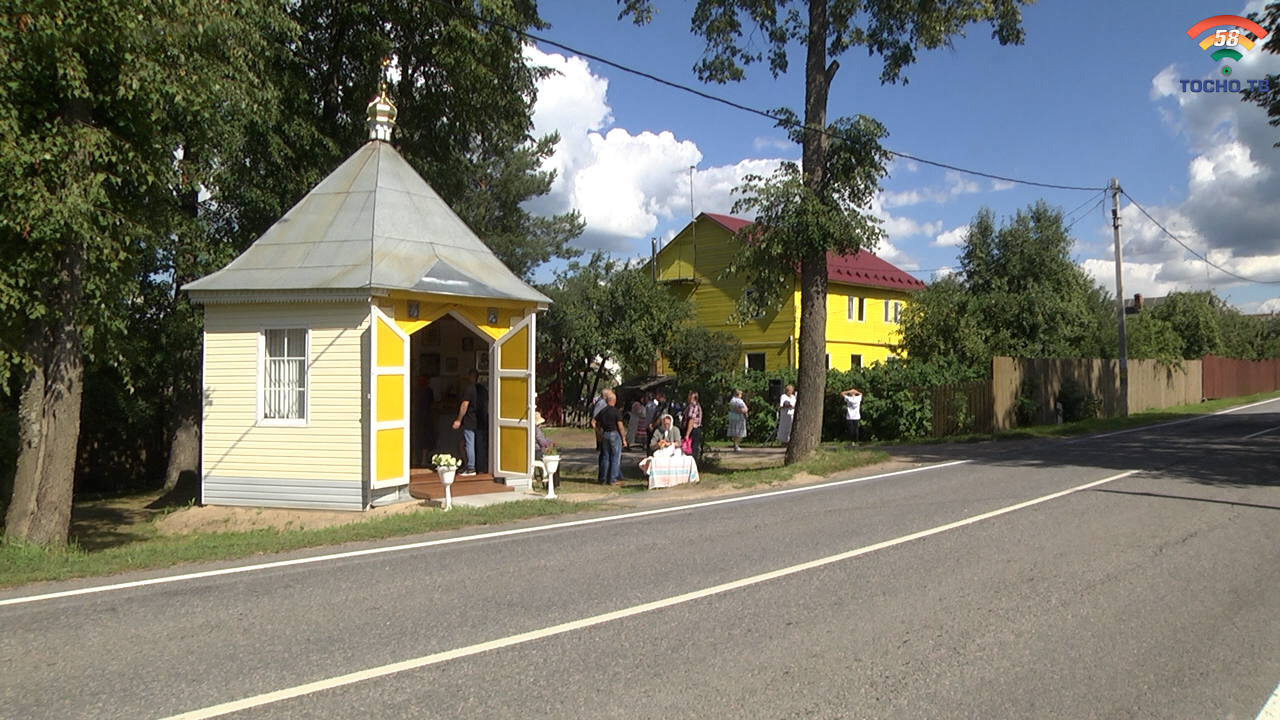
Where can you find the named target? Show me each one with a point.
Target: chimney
(1137, 302)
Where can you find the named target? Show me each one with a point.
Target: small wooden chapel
(320, 339)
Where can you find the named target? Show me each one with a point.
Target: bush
(1077, 403)
(894, 406)
(1025, 408)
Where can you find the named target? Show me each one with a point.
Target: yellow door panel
(514, 354)
(514, 442)
(390, 398)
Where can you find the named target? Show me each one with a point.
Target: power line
(746, 108)
(1102, 197)
(1206, 260)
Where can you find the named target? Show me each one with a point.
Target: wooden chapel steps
(424, 484)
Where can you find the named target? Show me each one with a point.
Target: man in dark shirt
(612, 436)
(466, 420)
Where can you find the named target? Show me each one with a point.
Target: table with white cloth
(665, 471)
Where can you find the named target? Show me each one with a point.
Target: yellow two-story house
(865, 297)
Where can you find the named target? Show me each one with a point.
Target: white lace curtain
(285, 377)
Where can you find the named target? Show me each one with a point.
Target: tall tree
(891, 29)
(94, 98)
(1196, 318)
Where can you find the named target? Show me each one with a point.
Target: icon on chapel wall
(451, 364)
(493, 316)
(429, 363)
(413, 309)
(468, 344)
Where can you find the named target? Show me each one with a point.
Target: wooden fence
(1227, 377)
(991, 405)
(962, 407)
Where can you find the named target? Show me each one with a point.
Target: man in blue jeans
(612, 435)
(466, 420)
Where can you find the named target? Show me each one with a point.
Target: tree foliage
(603, 311)
(95, 100)
(1017, 293)
(1195, 317)
(794, 221)
(698, 355)
(1270, 99)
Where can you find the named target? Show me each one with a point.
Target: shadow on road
(1232, 450)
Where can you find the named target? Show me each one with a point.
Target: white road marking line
(1179, 422)
(1271, 711)
(1262, 432)
(462, 539)
(445, 656)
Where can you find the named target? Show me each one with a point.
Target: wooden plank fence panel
(1228, 377)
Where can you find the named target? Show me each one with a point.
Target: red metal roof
(861, 268)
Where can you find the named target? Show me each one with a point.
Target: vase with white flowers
(446, 467)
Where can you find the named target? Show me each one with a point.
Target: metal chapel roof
(374, 224)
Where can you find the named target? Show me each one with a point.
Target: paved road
(929, 594)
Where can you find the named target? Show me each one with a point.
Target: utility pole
(1124, 338)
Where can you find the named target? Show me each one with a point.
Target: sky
(1093, 94)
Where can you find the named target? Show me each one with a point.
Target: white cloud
(957, 185)
(952, 238)
(1002, 185)
(624, 184)
(1266, 306)
(776, 143)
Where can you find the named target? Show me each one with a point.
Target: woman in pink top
(693, 423)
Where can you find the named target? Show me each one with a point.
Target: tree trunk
(50, 414)
(806, 432)
(184, 421)
(184, 448)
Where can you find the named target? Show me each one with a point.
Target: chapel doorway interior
(441, 356)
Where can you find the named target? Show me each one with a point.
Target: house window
(752, 296)
(892, 311)
(855, 361)
(857, 309)
(284, 374)
(755, 361)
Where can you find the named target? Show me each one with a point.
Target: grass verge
(21, 564)
(823, 463)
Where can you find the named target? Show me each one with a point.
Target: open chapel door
(512, 378)
(388, 402)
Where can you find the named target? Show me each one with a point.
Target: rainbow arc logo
(1227, 40)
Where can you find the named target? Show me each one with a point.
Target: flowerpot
(446, 475)
(552, 463)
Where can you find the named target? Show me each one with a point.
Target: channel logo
(1225, 43)
(1226, 40)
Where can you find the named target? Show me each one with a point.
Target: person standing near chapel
(737, 419)
(693, 423)
(610, 433)
(852, 412)
(467, 421)
(786, 414)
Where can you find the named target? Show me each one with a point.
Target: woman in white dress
(786, 414)
(737, 419)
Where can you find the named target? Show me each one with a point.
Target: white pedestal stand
(446, 478)
(552, 464)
